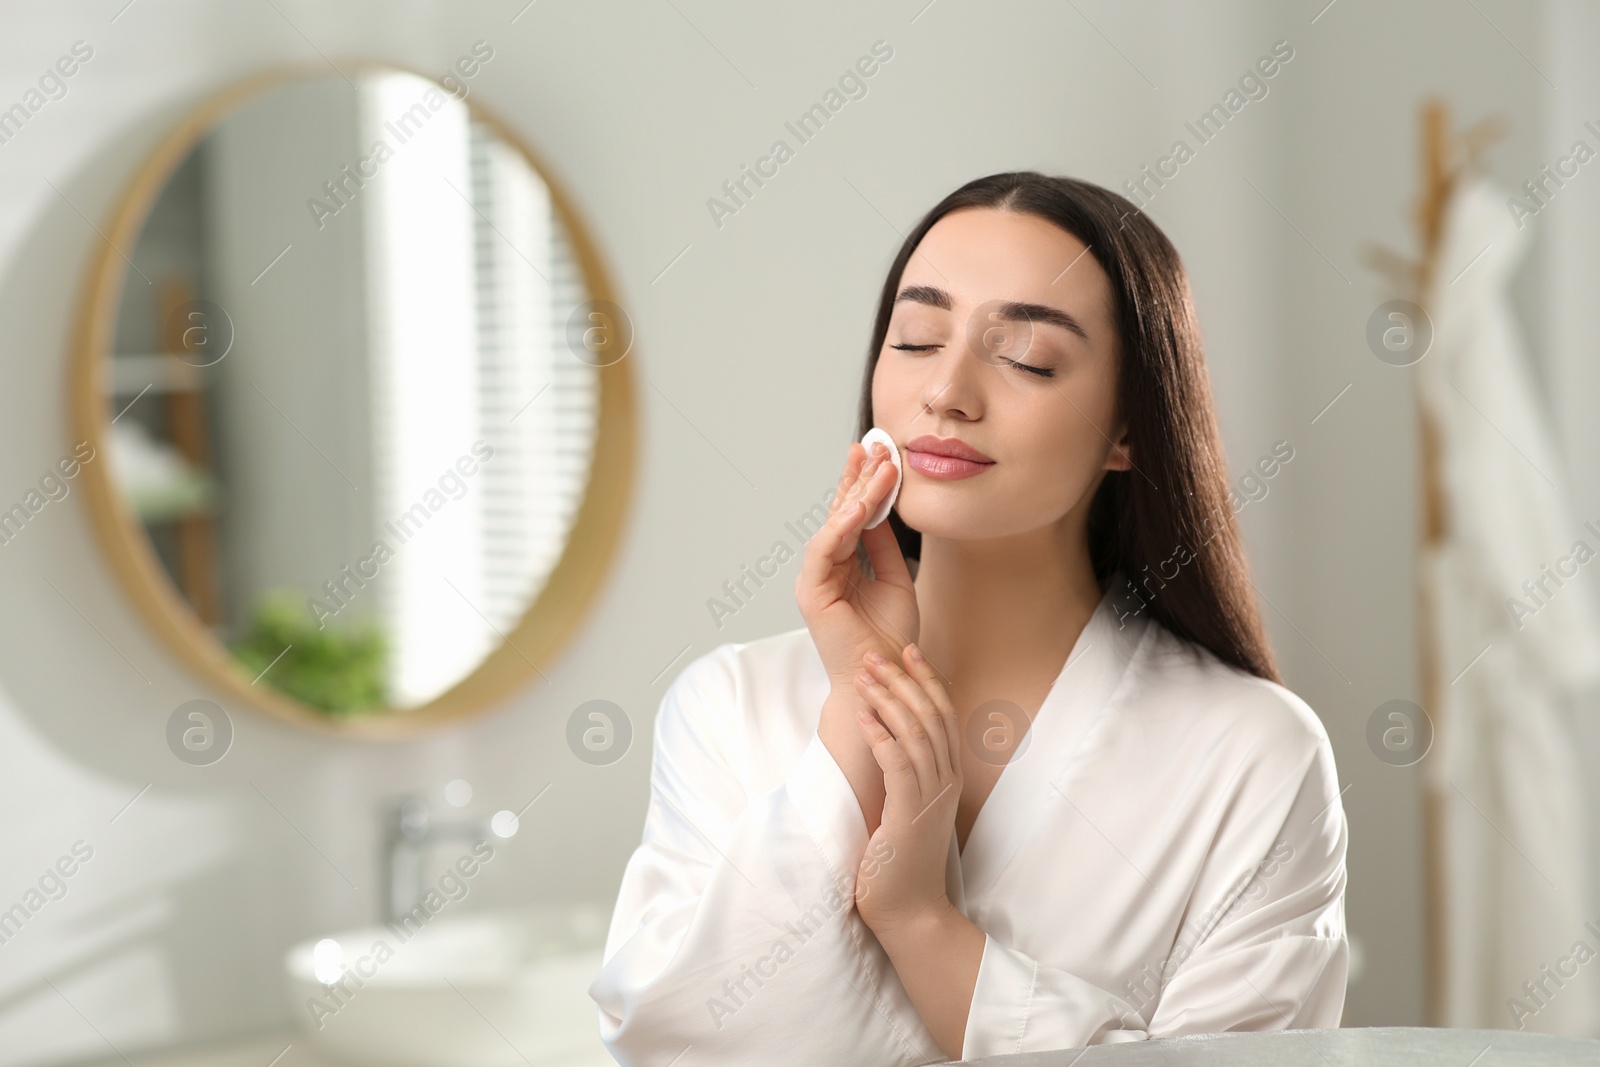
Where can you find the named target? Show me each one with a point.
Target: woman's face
(985, 291)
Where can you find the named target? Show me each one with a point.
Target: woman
(1028, 780)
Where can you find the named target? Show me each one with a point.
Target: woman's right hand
(848, 614)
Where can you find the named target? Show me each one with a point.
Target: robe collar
(1032, 781)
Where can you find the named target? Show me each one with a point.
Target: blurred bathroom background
(240, 743)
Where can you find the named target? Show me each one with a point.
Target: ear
(1121, 457)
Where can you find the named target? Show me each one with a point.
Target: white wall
(752, 340)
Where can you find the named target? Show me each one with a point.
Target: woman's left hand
(916, 740)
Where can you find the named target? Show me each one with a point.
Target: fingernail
(876, 657)
(867, 679)
(916, 653)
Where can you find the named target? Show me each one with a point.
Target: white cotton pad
(883, 437)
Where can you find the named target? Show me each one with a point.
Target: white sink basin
(481, 990)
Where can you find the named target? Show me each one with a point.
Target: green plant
(336, 670)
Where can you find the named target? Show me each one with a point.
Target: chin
(964, 523)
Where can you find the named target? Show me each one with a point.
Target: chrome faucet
(410, 830)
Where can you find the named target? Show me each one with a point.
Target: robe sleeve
(1272, 956)
(735, 933)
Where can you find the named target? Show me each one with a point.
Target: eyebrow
(1010, 310)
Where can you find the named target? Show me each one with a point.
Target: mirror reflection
(343, 405)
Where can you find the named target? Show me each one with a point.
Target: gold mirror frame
(574, 583)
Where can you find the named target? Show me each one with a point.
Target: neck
(1009, 606)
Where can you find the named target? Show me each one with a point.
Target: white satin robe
(1165, 855)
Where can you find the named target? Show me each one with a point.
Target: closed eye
(1043, 372)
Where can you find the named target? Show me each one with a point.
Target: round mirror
(359, 398)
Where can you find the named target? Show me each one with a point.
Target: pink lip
(949, 467)
(947, 458)
(946, 446)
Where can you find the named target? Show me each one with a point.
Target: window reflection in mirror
(343, 405)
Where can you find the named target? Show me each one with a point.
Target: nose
(954, 385)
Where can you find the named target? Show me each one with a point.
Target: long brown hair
(1173, 509)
